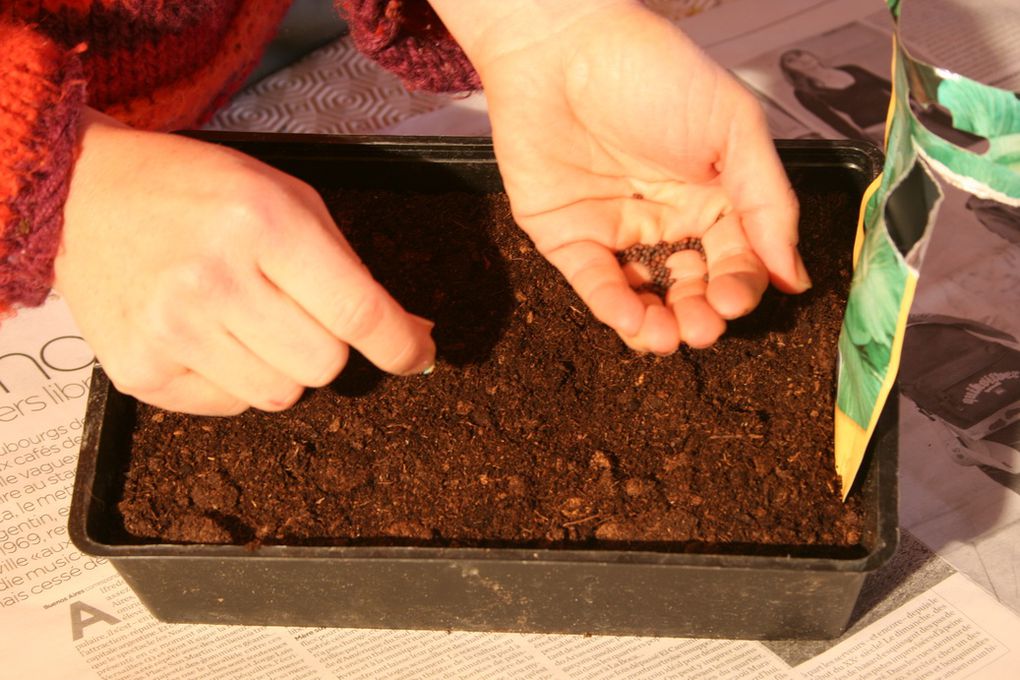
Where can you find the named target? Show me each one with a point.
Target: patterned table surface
(337, 90)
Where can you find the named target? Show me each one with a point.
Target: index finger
(318, 269)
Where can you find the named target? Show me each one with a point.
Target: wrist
(489, 29)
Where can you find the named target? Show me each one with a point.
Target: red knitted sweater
(158, 65)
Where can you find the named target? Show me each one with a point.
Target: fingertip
(629, 320)
(284, 400)
(698, 322)
(703, 337)
(426, 364)
(595, 274)
(619, 307)
(737, 294)
(658, 333)
(421, 354)
(803, 278)
(769, 214)
(791, 277)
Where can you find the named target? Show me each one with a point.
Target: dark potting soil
(538, 427)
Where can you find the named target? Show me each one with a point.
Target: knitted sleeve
(407, 38)
(42, 92)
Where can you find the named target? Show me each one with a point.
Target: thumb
(764, 201)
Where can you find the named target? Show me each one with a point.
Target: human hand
(208, 282)
(612, 128)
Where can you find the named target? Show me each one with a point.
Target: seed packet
(951, 176)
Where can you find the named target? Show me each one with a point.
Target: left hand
(612, 128)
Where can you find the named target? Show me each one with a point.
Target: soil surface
(538, 426)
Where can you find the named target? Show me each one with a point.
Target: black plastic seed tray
(639, 592)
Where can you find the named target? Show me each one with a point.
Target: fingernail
(425, 360)
(430, 364)
(802, 276)
(424, 322)
(426, 365)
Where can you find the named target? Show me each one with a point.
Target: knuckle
(179, 295)
(141, 373)
(327, 366)
(231, 407)
(250, 207)
(356, 317)
(134, 378)
(225, 407)
(163, 324)
(196, 279)
(281, 397)
(266, 211)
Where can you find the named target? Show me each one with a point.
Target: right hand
(612, 128)
(208, 282)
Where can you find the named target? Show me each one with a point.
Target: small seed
(654, 258)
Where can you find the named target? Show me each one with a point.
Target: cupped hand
(611, 129)
(208, 282)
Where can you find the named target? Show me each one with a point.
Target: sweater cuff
(42, 92)
(407, 38)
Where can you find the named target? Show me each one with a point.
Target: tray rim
(862, 157)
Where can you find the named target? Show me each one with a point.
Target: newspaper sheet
(65, 614)
(946, 606)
